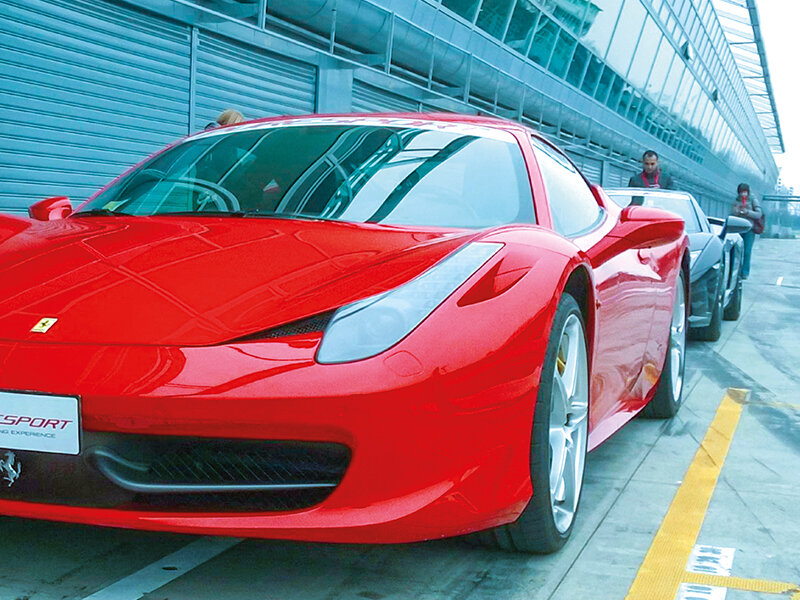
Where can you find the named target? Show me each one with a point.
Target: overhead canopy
(740, 22)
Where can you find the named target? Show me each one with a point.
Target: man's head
(650, 162)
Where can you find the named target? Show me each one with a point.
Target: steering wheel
(221, 197)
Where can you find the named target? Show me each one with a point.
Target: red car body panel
(439, 425)
(165, 273)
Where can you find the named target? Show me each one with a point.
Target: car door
(623, 288)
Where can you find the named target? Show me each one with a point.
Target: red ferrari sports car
(360, 328)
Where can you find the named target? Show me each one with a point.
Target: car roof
(388, 118)
(487, 121)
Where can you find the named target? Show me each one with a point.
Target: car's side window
(572, 203)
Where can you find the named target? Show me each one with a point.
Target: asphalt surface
(630, 484)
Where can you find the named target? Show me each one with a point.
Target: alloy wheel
(569, 406)
(677, 339)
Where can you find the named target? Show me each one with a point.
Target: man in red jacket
(651, 175)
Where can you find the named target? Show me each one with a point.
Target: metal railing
(783, 217)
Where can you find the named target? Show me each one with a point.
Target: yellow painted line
(663, 568)
(772, 404)
(748, 585)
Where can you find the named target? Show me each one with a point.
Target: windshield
(356, 173)
(680, 205)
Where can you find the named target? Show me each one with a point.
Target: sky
(779, 28)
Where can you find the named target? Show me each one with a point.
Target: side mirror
(735, 225)
(645, 227)
(638, 227)
(50, 209)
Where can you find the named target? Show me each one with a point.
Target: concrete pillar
(334, 87)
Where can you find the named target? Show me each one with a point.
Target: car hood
(195, 280)
(698, 241)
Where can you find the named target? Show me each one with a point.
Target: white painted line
(780, 281)
(711, 560)
(694, 591)
(165, 570)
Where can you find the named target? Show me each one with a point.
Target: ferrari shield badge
(10, 468)
(44, 325)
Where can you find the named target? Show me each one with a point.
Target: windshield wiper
(101, 212)
(298, 216)
(202, 213)
(241, 213)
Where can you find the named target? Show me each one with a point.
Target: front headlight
(693, 257)
(370, 326)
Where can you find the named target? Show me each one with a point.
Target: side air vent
(303, 326)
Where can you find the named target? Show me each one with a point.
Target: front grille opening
(221, 464)
(198, 474)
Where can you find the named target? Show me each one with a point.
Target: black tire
(713, 330)
(535, 531)
(666, 401)
(734, 309)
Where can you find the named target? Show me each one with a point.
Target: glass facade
(662, 64)
(665, 66)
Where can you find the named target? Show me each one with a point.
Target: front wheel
(558, 442)
(669, 391)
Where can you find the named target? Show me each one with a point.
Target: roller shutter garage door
(367, 98)
(87, 88)
(616, 177)
(258, 84)
(591, 168)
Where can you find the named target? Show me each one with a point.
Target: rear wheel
(734, 308)
(558, 442)
(669, 391)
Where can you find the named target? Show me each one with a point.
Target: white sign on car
(39, 422)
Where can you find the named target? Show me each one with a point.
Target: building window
(667, 97)
(578, 65)
(621, 50)
(614, 96)
(463, 8)
(562, 54)
(604, 86)
(592, 77)
(645, 54)
(493, 16)
(522, 25)
(543, 41)
(599, 25)
(679, 106)
(658, 74)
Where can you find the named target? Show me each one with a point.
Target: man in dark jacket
(651, 175)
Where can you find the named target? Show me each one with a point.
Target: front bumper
(439, 440)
